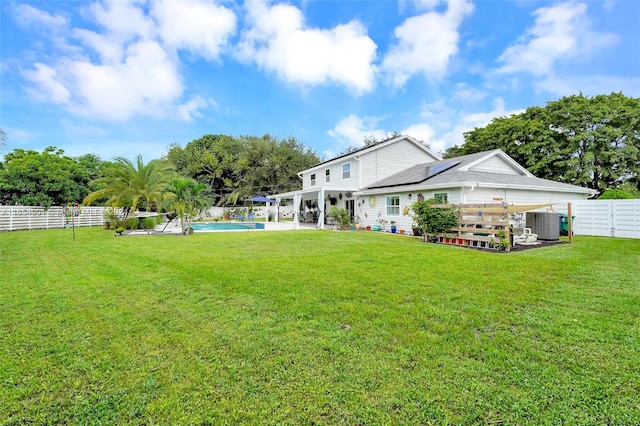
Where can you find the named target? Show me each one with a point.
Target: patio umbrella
(261, 199)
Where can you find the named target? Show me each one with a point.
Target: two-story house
(381, 182)
(336, 182)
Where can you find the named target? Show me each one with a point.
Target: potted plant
(401, 231)
(393, 227)
(382, 221)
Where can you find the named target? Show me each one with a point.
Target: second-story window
(313, 179)
(327, 175)
(346, 170)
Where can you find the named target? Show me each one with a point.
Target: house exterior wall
(335, 173)
(369, 215)
(517, 196)
(391, 159)
(495, 164)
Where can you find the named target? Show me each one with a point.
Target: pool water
(226, 226)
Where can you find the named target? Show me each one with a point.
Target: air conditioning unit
(546, 225)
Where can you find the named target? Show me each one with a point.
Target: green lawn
(315, 327)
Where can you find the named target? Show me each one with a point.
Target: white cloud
(279, 41)
(123, 20)
(466, 121)
(422, 132)
(352, 130)
(191, 109)
(48, 87)
(426, 43)
(128, 65)
(466, 93)
(145, 83)
(28, 15)
(201, 27)
(560, 33)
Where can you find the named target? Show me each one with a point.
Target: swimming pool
(226, 226)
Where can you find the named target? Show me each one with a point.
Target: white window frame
(439, 195)
(312, 178)
(393, 206)
(327, 175)
(346, 171)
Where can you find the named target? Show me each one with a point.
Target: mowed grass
(315, 327)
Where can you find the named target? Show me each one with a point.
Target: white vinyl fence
(14, 218)
(607, 218)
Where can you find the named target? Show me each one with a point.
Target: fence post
(570, 225)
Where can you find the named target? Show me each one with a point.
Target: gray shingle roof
(453, 176)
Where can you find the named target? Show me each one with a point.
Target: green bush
(341, 216)
(615, 194)
(131, 223)
(432, 219)
(149, 222)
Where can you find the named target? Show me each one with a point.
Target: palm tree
(126, 184)
(186, 199)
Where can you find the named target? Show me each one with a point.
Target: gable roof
(458, 171)
(374, 147)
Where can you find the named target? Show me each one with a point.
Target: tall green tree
(211, 159)
(588, 141)
(125, 184)
(237, 168)
(270, 166)
(46, 178)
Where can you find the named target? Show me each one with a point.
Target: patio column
(321, 208)
(297, 198)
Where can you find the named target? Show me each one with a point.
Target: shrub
(149, 222)
(433, 220)
(132, 223)
(615, 194)
(341, 216)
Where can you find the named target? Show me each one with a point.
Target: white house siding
(369, 216)
(495, 164)
(386, 161)
(516, 196)
(336, 176)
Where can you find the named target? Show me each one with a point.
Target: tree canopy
(46, 178)
(127, 185)
(237, 168)
(592, 142)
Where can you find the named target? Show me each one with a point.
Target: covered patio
(312, 205)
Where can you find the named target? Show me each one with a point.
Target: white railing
(14, 218)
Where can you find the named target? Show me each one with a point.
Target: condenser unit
(546, 225)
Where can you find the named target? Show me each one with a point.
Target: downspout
(357, 158)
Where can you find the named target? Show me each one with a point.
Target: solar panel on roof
(441, 167)
(415, 174)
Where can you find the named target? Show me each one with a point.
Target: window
(393, 205)
(441, 198)
(313, 179)
(346, 170)
(327, 175)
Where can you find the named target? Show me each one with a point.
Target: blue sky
(119, 78)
